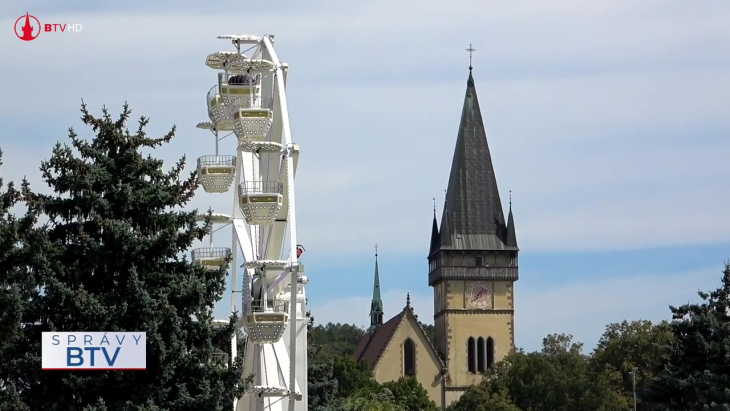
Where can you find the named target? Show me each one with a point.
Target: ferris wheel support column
(288, 148)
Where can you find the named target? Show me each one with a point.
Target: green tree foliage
(17, 289)
(632, 345)
(352, 376)
(336, 340)
(696, 372)
(367, 400)
(482, 398)
(558, 378)
(112, 258)
(322, 387)
(410, 395)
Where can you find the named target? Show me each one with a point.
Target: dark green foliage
(696, 372)
(17, 288)
(352, 376)
(558, 378)
(410, 395)
(322, 386)
(366, 400)
(483, 398)
(336, 339)
(112, 257)
(628, 345)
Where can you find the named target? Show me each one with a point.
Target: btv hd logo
(94, 351)
(28, 27)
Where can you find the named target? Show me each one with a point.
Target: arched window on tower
(490, 352)
(409, 358)
(481, 355)
(471, 357)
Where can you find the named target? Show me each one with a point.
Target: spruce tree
(696, 373)
(16, 292)
(116, 260)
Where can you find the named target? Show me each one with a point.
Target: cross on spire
(471, 50)
(376, 250)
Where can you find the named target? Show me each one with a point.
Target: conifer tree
(16, 291)
(696, 372)
(115, 251)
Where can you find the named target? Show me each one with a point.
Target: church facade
(473, 266)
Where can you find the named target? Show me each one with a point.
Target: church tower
(376, 306)
(472, 261)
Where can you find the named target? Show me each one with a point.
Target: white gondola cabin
(240, 90)
(216, 173)
(265, 306)
(252, 124)
(265, 327)
(218, 112)
(211, 257)
(260, 201)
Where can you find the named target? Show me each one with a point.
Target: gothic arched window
(481, 355)
(471, 357)
(409, 358)
(490, 352)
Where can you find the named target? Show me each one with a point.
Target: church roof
(372, 345)
(473, 217)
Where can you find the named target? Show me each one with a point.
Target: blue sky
(608, 121)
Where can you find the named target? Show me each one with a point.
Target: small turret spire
(511, 239)
(435, 239)
(408, 299)
(376, 306)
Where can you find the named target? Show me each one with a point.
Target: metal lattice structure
(249, 102)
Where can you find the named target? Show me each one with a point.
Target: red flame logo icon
(25, 29)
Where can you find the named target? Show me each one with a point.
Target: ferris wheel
(249, 102)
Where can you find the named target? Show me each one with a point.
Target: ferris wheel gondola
(249, 101)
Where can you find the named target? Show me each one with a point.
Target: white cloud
(582, 309)
(598, 113)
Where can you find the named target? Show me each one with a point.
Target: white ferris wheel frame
(266, 244)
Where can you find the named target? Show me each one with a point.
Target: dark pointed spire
(473, 217)
(435, 239)
(376, 306)
(511, 240)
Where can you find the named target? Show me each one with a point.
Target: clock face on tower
(479, 295)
